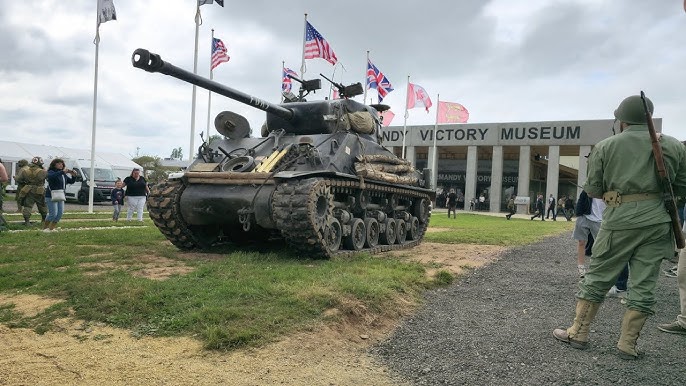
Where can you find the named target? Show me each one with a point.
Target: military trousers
(37, 199)
(643, 249)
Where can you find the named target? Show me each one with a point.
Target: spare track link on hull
(299, 209)
(163, 208)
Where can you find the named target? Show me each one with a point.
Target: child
(117, 196)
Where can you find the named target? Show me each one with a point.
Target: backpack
(583, 205)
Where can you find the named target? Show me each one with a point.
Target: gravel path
(494, 327)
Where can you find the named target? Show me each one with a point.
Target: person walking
(136, 192)
(551, 208)
(33, 181)
(589, 214)
(510, 207)
(117, 197)
(58, 178)
(540, 208)
(3, 178)
(636, 228)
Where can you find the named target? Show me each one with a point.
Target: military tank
(318, 177)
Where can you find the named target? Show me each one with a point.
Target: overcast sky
(504, 60)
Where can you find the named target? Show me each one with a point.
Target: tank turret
(319, 178)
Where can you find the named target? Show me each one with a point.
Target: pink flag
(417, 97)
(336, 94)
(386, 117)
(451, 113)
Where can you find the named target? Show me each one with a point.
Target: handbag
(58, 195)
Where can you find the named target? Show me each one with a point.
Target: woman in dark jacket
(58, 178)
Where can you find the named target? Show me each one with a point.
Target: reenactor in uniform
(636, 229)
(33, 191)
(21, 165)
(3, 178)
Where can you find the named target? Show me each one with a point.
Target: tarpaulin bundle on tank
(385, 168)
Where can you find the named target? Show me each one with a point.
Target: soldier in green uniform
(3, 178)
(636, 227)
(21, 165)
(33, 191)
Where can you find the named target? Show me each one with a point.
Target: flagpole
(195, 71)
(209, 97)
(434, 162)
(91, 182)
(283, 71)
(407, 100)
(302, 66)
(366, 65)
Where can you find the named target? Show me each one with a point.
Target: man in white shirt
(589, 215)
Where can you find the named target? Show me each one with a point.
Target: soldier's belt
(614, 199)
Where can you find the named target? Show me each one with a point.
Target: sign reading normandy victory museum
(499, 160)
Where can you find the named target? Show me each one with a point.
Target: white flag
(106, 11)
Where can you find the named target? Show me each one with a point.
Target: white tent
(12, 152)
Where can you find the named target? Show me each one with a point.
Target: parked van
(104, 179)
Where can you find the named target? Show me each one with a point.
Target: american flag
(219, 53)
(286, 83)
(376, 79)
(316, 46)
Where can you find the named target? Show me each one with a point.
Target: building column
(524, 177)
(496, 191)
(470, 176)
(583, 168)
(434, 170)
(552, 179)
(410, 154)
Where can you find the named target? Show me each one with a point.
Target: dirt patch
(149, 267)
(27, 304)
(335, 354)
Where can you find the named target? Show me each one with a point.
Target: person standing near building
(636, 228)
(33, 181)
(136, 192)
(569, 208)
(21, 165)
(452, 203)
(482, 202)
(551, 207)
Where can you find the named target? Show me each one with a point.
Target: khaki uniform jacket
(625, 163)
(33, 179)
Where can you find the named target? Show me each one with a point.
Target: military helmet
(37, 161)
(631, 110)
(22, 162)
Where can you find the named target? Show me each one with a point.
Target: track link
(302, 210)
(163, 208)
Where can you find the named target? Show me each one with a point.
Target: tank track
(163, 209)
(303, 209)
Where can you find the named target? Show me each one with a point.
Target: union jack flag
(219, 53)
(286, 83)
(376, 79)
(316, 46)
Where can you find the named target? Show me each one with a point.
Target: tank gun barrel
(151, 62)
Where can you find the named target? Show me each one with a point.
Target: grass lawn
(227, 298)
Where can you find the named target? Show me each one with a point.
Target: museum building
(503, 159)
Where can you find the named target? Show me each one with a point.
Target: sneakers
(671, 272)
(582, 270)
(672, 328)
(615, 292)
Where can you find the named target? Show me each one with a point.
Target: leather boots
(631, 327)
(577, 334)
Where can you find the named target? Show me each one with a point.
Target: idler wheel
(373, 230)
(401, 226)
(358, 234)
(388, 236)
(239, 164)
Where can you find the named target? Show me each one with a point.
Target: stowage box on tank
(318, 177)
